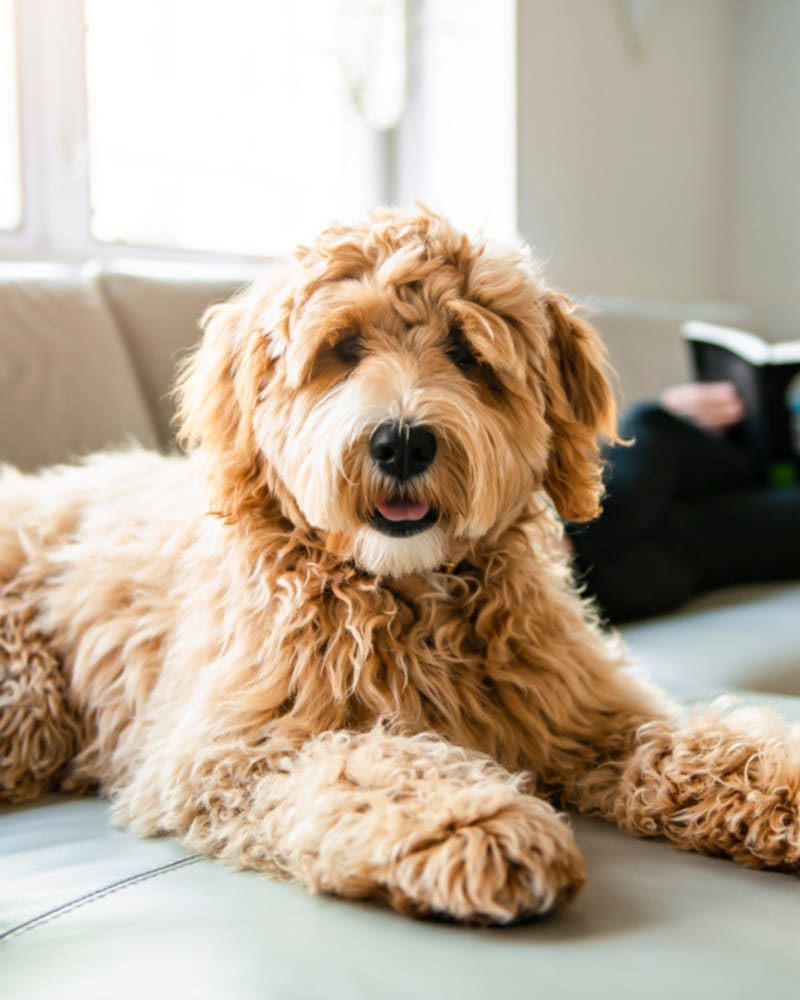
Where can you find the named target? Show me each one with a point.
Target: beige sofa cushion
(158, 308)
(90, 912)
(744, 638)
(66, 384)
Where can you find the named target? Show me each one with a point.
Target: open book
(767, 376)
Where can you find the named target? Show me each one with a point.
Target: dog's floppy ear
(580, 410)
(216, 394)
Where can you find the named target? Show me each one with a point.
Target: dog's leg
(607, 743)
(718, 782)
(415, 821)
(39, 729)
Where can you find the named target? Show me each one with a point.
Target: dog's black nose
(402, 450)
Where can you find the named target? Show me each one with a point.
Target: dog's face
(401, 391)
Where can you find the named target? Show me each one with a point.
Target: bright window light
(459, 153)
(222, 126)
(10, 181)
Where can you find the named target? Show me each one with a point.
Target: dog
(338, 641)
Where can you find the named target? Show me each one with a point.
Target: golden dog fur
(228, 647)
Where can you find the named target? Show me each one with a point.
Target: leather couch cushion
(742, 638)
(101, 914)
(158, 309)
(66, 384)
(91, 912)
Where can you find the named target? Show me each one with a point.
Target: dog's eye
(460, 353)
(461, 356)
(349, 350)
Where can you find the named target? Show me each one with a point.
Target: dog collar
(455, 568)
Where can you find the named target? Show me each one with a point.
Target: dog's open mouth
(400, 517)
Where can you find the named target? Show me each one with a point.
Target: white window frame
(52, 126)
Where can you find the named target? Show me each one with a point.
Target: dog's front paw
(518, 862)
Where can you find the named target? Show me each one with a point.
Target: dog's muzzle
(401, 452)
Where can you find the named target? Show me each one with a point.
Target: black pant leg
(640, 557)
(741, 536)
(648, 577)
(721, 540)
(668, 459)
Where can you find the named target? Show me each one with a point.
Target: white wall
(767, 238)
(624, 174)
(457, 143)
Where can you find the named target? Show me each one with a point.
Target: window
(240, 127)
(10, 180)
(223, 126)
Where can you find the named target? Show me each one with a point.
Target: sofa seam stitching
(96, 894)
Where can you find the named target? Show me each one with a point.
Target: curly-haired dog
(337, 642)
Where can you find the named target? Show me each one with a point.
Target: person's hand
(715, 406)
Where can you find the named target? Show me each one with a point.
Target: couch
(86, 359)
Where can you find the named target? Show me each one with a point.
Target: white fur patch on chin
(386, 556)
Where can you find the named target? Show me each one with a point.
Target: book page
(747, 345)
(785, 352)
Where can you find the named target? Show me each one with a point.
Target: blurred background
(647, 149)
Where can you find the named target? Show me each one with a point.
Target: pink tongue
(399, 510)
